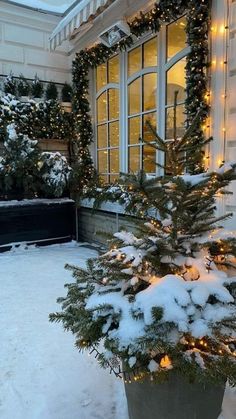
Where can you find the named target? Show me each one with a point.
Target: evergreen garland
(198, 20)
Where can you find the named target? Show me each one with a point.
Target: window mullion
(123, 129)
(161, 94)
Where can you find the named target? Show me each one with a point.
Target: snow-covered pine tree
(9, 84)
(159, 298)
(20, 162)
(37, 88)
(23, 86)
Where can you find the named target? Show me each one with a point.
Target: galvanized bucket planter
(175, 399)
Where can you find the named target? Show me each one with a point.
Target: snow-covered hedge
(38, 120)
(26, 171)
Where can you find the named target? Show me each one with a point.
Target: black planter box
(40, 221)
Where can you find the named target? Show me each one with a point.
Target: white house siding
(223, 95)
(231, 107)
(24, 45)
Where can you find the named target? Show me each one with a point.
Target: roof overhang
(78, 19)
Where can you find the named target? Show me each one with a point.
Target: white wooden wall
(24, 46)
(223, 95)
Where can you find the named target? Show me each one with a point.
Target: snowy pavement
(42, 375)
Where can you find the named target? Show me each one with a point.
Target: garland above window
(198, 21)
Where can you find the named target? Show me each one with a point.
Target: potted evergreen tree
(51, 91)
(9, 85)
(158, 299)
(37, 89)
(23, 88)
(66, 97)
(19, 164)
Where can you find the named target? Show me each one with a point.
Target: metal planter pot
(175, 399)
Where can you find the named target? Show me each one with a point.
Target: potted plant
(158, 299)
(66, 97)
(37, 89)
(9, 85)
(51, 91)
(23, 88)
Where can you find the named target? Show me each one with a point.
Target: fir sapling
(51, 91)
(9, 85)
(23, 86)
(158, 299)
(66, 93)
(37, 88)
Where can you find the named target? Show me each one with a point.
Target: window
(175, 97)
(107, 86)
(149, 82)
(142, 104)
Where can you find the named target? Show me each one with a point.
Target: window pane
(102, 161)
(114, 134)
(176, 37)
(176, 82)
(147, 132)
(150, 53)
(113, 178)
(180, 120)
(114, 161)
(134, 130)
(134, 61)
(101, 76)
(149, 91)
(134, 97)
(104, 178)
(102, 107)
(113, 95)
(102, 136)
(134, 159)
(149, 159)
(113, 70)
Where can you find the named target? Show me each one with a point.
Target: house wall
(222, 120)
(223, 98)
(231, 107)
(24, 45)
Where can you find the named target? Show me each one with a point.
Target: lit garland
(45, 119)
(198, 20)
(204, 347)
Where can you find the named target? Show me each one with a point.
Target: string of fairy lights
(225, 34)
(220, 35)
(205, 347)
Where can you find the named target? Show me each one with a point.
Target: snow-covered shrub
(20, 162)
(55, 173)
(39, 120)
(9, 84)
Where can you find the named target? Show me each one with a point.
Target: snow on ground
(42, 375)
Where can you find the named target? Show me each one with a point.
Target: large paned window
(144, 84)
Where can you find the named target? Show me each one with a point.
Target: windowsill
(105, 206)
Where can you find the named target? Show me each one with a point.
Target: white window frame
(163, 66)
